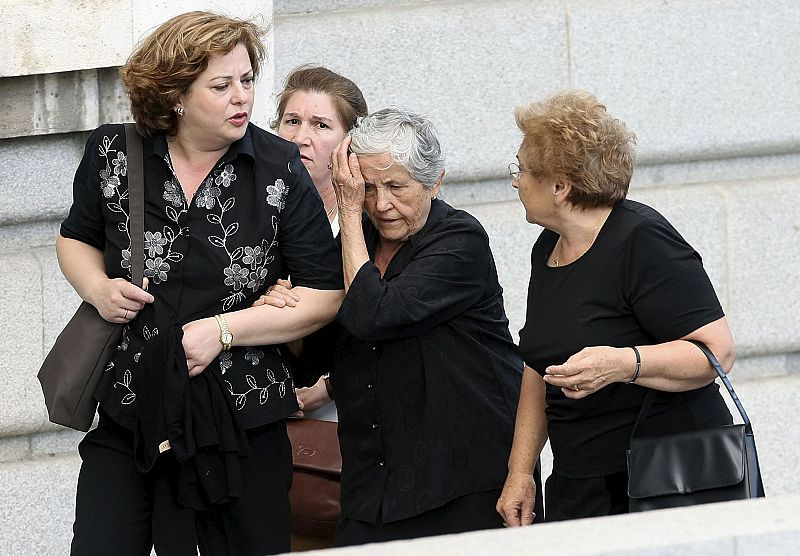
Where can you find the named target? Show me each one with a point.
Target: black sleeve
(666, 284)
(85, 219)
(308, 247)
(446, 276)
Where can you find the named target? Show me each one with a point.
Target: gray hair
(408, 138)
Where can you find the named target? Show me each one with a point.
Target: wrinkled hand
(201, 344)
(279, 295)
(313, 397)
(120, 301)
(591, 369)
(517, 500)
(347, 179)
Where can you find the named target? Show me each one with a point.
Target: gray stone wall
(706, 85)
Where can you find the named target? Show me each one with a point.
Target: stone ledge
(763, 527)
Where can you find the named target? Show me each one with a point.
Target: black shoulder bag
(715, 464)
(72, 369)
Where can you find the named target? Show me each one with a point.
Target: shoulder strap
(726, 382)
(648, 400)
(133, 143)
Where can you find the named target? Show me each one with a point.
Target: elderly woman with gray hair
(424, 372)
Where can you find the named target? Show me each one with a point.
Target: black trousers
(124, 512)
(591, 497)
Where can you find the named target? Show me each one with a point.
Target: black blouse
(256, 217)
(640, 283)
(426, 375)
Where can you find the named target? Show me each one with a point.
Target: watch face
(226, 337)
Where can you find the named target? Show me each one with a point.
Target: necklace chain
(556, 260)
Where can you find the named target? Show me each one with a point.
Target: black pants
(467, 513)
(124, 512)
(591, 497)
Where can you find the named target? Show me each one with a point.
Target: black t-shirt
(640, 283)
(256, 217)
(426, 374)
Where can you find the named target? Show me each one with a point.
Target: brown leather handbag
(72, 369)
(317, 461)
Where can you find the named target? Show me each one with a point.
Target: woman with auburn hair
(615, 294)
(191, 448)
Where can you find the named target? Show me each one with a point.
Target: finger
(355, 169)
(512, 518)
(135, 293)
(273, 301)
(284, 283)
(340, 162)
(562, 370)
(194, 370)
(260, 301)
(284, 292)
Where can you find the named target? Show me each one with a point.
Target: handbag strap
(133, 142)
(651, 394)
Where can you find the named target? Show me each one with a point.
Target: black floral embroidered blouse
(256, 217)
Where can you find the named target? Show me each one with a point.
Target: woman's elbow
(727, 356)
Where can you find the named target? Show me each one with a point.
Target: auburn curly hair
(166, 63)
(571, 136)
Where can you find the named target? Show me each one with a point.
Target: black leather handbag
(73, 367)
(715, 464)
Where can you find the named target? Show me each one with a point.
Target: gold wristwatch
(225, 336)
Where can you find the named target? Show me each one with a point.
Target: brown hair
(346, 96)
(571, 136)
(166, 63)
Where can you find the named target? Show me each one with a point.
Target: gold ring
(576, 387)
(126, 314)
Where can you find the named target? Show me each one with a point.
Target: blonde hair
(166, 63)
(571, 136)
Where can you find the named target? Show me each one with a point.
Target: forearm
(530, 431)
(82, 265)
(679, 366)
(354, 248)
(265, 324)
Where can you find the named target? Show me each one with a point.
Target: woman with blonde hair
(615, 294)
(191, 448)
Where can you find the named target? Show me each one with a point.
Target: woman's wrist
(637, 368)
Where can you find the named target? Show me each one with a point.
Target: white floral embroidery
(130, 397)
(207, 196)
(226, 176)
(276, 194)
(225, 361)
(120, 164)
(154, 242)
(253, 355)
(156, 269)
(249, 265)
(263, 391)
(172, 193)
(116, 165)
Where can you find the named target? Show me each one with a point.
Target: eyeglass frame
(516, 174)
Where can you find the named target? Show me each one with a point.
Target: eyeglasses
(515, 171)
